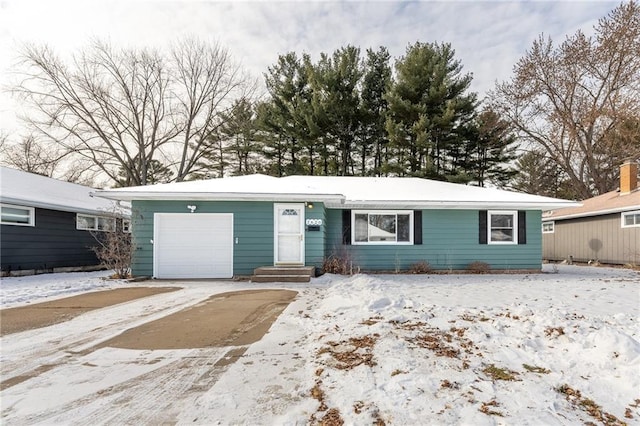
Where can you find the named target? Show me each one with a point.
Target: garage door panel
(193, 245)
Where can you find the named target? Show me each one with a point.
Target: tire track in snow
(22, 360)
(155, 397)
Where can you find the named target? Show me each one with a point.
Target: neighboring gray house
(226, 227)
(46, 224)
(605, 228)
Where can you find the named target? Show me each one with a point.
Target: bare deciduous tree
(30, 156)
(35, 156)
(123, 108)
(578, 101)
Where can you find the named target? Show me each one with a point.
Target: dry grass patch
(487, 408)
(497, 373)
(535, 369)
(353, 352)
(576, 399)
(331, 418)
(446, 384)
(554, 331)
(436, 341)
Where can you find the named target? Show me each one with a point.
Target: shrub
(479, 267)
(421, 267)
(338, 263)
(114, 251)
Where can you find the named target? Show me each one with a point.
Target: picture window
(382, 227)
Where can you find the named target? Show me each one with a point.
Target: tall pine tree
(428, 109)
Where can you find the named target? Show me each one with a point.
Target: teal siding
(314, 241)
(450, 241)
(252, 226)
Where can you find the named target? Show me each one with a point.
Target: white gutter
(62, 207)
(217, 196)
(451, 205)
(592, 213)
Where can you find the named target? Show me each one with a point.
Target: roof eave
(58, 207)
(593, 213)
(216, 196)
(451, 205)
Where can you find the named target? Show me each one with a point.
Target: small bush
(479, 267)
(114, 251)
(421, 267)
(338, 263)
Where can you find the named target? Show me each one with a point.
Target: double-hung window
(17, 215)
(95, 223)
(503, 227)
(630, 219)
(382, 227)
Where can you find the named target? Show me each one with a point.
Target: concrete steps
(282, 274)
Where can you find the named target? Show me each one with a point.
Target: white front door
(289, 234)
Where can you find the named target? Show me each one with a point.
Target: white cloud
(489, 37)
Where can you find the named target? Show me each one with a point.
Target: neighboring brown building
(605, 228)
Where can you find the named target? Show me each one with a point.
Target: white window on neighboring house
(95, 223)
(126, 226)
(630, 219)
(382, 227)
(17, 215)
(548, 227)
(503, 227)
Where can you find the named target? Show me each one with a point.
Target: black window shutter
(417, 227)
(346, 227)
(522, 227)
(482, 233)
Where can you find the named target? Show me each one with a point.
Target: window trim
(126, 226)
(31, 210)
(514, 214)
(382, 212)
(112, 219)
(631, 213)
(553, 227)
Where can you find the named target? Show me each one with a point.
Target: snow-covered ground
(551, 348)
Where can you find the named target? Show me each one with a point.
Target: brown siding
(599, 238)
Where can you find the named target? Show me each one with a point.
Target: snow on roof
(341, 192)
(610, 202)
(31, 190)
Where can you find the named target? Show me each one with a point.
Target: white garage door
(193, 245)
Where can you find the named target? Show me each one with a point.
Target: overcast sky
(489, 37)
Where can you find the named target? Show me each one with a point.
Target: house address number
(313, 222)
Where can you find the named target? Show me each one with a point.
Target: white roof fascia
(451, 205)
(593, 213)
(59, 207)
(217, 196)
